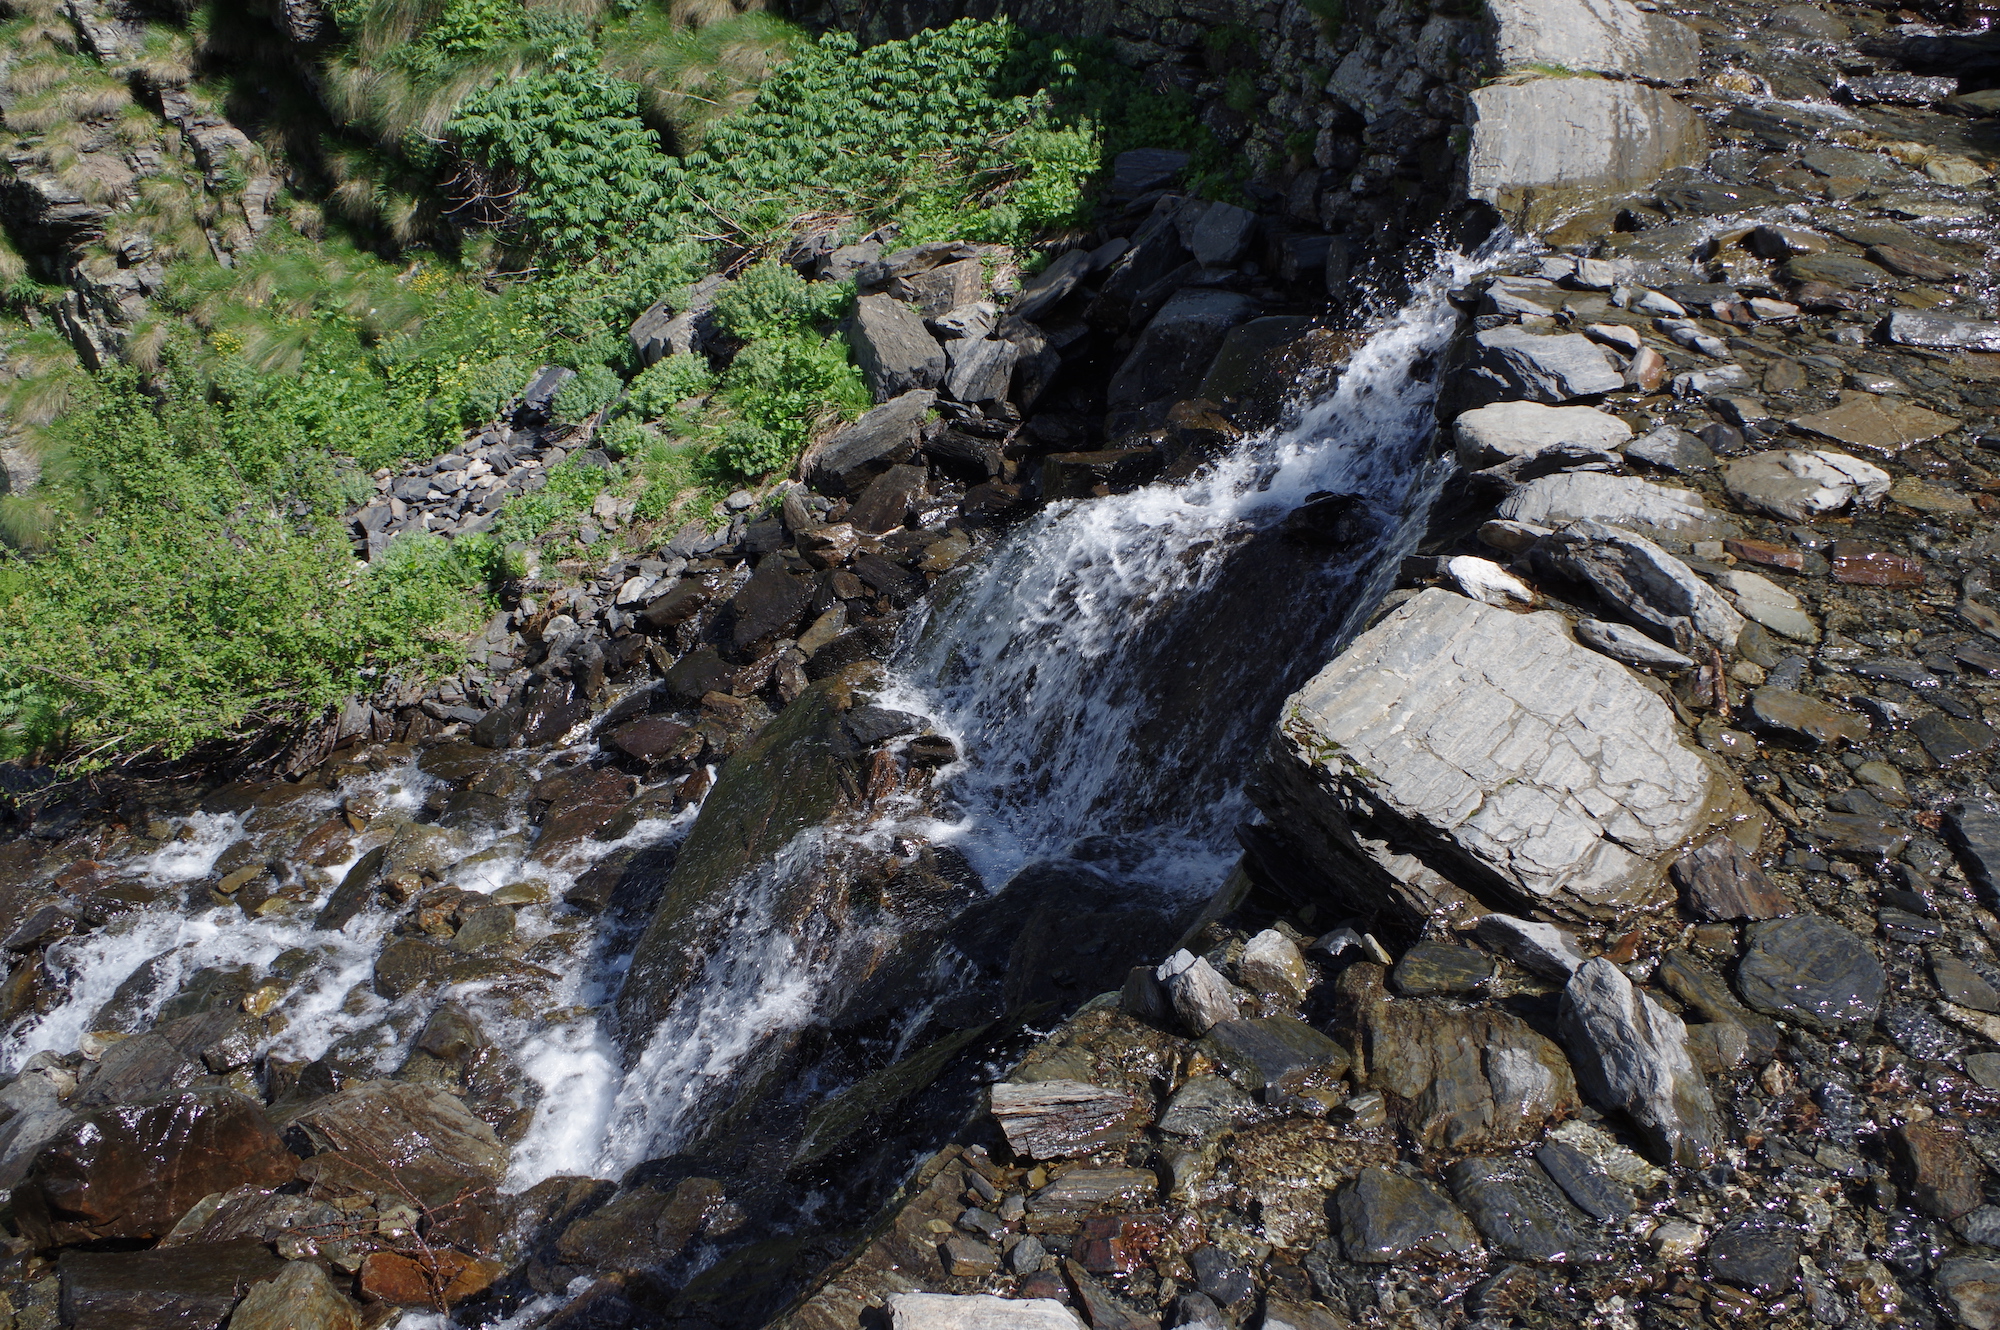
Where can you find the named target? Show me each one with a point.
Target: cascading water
(1109, 671)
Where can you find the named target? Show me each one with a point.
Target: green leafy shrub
(668, 382)
(781, 390)
(593, 388)
(490, 387)
(770, 299)
(570, 490)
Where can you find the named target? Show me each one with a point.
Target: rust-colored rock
(1719, 879)
(424, 1279)
(130, 1171)
(1119, 1244)
(1945, 1177)
(1858, 564)
(1766, 555)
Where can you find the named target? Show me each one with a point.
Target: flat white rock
(1624, 501)
(1759, 598)
(1629, 645)
(1801, 485)
(1499, 750)
(1493, 434)
(978, 1311)
(1486, 581)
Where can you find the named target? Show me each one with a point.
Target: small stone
(1592, 1191)
(300, 1298)
(1859, 564)
(1060, 1118)
(1629, 645)
(1275, 1056)
(1756, 1256)
(1951, 739)
(978, 1311)
(1271, 963)
(1974, 832)
(1719, 880)
(1806, 718)
(1671, 449)
(1026, 1256)
(1676, 1240)
(1486, 582)
(1200, 996)
(1944, 1176)
(967, 1257)
(1631, 1054)
(1384, 1215)
(1768, 603)
(1436, 968)
(1970, 1287)
(1513, 1203)
(1541, 948)
(1813, 971)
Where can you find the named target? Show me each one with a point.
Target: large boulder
(897, 354)
(1502, 431)
(1615, 500)
(1174, 353)
(1510, 362)
(1514, 762)
(1544, 148)
(846, 462)
(1592, 36)
(130, 1171)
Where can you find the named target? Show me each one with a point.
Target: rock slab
(1812, 971)
(1543, 148)
(1500, 752)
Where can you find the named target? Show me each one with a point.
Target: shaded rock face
(1508, 757)
(131, 1171)
(183, 1288)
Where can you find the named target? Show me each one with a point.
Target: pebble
(1813, 971)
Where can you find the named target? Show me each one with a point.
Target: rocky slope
(1615, 942)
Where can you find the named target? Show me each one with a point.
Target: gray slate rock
(1812, 971)
(1587, 1187)
(1554, 501)
(896, 353)
(981, 371)
(1501, 431)
(1509, 363)
(1974, 832)
(1060, 1118)
(1216, 234)
(978, 1311)
(1519, 1210)
(1385, 1215)
(1643, 581)
(1941, 332)
(1673, 450)
(1629, 645)
(1545, 147)
(1542, 948)
(1630, 1054)
(1496, 748)
(1200, 996)
(1970, 1287)
(1799, 485)
(1756, 1255)
(1275, 1056)
(1052, 285)
(845, 463)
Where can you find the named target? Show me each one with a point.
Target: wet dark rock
(1720, 880)
(408, 964)
(1810, 970)
(145, 1064)
(1058, 1119)
(1755, 1255)
(1083, 1190)
(795, 773)
(1974, 832)
(1386, 1214)
(1174, 353)
(1952, 739)
(770, 605)
(1806, 718)
(184, 1288)
(886, 504)
(1519, 1210)
(655, 739)
(1970, 1287)
(1944, 1177)
(132, 1170)
(415, 1137)
(1590, 1189)
(1631, 1054)
(1278, 1057)
(1459, 1078)
(1206, 1105)
(580, 802)
(646, 1227)
(1704, 992)
(1433, 969)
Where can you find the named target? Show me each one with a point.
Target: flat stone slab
(1601, 36)
(1492, 434)
(1498, 750)
(1385, 1215)
(1614, 500)
(1801, 485)
(1882, 424)
(978, 1311)
(1812, 971)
